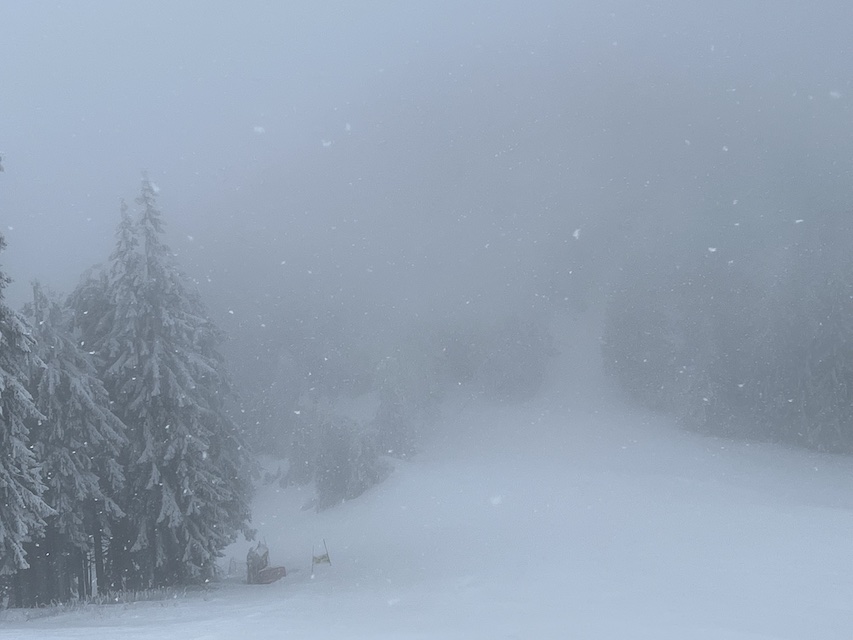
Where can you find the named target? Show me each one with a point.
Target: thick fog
(394, 167)
(415, 157)
(476, 258)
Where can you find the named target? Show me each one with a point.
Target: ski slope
(571, 516)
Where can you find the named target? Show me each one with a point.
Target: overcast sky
(410, 150)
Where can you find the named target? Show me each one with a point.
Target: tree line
(756, 342)
(336, 408)
(120, 466)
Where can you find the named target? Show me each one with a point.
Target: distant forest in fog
(744, 343)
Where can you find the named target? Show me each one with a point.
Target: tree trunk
(98, 551)
(18, 590)
(85, 574)
(119, 557)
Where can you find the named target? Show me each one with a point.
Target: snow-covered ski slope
(571, 516)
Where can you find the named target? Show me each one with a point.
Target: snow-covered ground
(571, 516)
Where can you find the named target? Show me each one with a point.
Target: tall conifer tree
(22, 509)
(78, 440)
(187, 484)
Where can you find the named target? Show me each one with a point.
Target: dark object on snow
(257, 569)
(271, 574)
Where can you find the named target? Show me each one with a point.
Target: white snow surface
(572, 516)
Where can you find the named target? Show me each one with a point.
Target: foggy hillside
(570, 515)
(289, 259)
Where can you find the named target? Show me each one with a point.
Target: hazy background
(393, 208)
(389, 165)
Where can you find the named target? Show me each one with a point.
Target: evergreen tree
(103, 307)
(105, 294)
(77, 439)
(187, 484)
(759, 346)
(22, 509)
(348, 462)
(393, 422)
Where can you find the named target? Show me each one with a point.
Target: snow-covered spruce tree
(348, 462)
(104, 294)
(22, 509)
(77, 439)
(187, 489)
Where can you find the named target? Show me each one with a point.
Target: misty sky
(386, 155)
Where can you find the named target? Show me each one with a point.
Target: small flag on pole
(322, 558)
